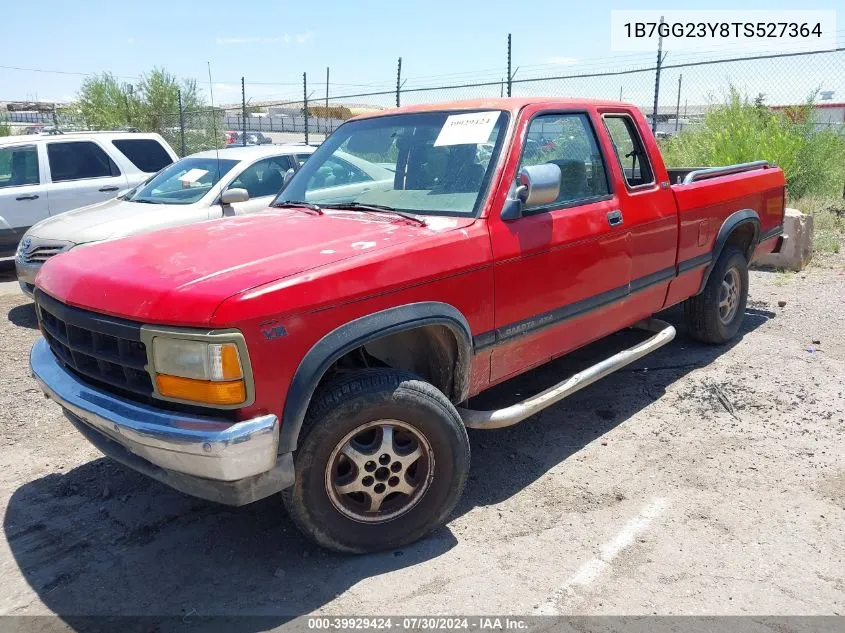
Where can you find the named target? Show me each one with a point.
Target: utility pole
(657, 79)
(305, 103)
(398, 80)
(678, 105)
(181, 123)
(510, 76)
(243, 110)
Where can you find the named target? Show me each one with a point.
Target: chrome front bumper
(189, 452)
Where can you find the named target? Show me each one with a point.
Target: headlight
(198, 371)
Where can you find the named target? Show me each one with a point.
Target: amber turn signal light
(202, 391)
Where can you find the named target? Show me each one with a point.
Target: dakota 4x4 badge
(272, 332)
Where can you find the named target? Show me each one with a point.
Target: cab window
(264, 178)
(633, 159)
(568, 141)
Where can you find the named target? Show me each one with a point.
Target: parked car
(327, 349)
(199, 187)
(43, 176)
(252, 138)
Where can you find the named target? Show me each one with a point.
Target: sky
(271, 43)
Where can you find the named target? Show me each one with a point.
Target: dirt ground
(701, 480)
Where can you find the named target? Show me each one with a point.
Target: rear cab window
(79, 160)
(632, 157)
(18, 166)
(145, 153)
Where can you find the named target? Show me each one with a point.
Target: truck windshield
(183, 182)
(432, 163)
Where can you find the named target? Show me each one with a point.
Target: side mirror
(231, 196)
(538, 185)
(288, 175)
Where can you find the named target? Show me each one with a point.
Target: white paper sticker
(192, 175)
(464, 129)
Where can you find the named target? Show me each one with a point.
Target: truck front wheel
(715, 315)
(382, 460)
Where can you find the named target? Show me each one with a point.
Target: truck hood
(112, 219)
(179, 276)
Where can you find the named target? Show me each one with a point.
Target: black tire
(338, 410)
(702, 312)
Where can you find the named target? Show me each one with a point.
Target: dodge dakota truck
(327, 348)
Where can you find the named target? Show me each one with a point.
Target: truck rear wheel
(382, 460)
(715, 315)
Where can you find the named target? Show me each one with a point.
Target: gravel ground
(699, 481)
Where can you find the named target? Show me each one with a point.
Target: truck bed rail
(704, 173)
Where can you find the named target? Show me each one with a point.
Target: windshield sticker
(191, 176)
(466, 129)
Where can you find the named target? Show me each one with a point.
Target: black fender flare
(358, 332)
(732, 222)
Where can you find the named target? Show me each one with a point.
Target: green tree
(151, 105)
(159, 94)
(106, 103)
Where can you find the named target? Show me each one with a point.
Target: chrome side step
(513, 414)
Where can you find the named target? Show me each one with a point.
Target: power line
(61, 72)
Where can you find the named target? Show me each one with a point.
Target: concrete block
(797, 247)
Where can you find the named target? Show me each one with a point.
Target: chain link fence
(688, 85)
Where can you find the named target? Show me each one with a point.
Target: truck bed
(707, 198)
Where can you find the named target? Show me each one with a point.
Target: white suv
(42, 176)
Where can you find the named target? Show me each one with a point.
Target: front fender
(358, 332)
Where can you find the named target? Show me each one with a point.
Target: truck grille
(102, 350)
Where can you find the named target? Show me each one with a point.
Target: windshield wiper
(148, 201)
(286, 204)
(375, 208)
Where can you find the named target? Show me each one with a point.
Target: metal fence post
(510, 76)
(678, 105)
(305, 103)
(657, 80)
(398, 80)
(243, 110)
(181, 123)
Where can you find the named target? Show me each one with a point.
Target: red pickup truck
(324, 348)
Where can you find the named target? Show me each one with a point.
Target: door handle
(109, 188)
(28, 196)
(614, 218)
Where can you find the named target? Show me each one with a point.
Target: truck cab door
(562, 270)
(650, 211)
(23, 196)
